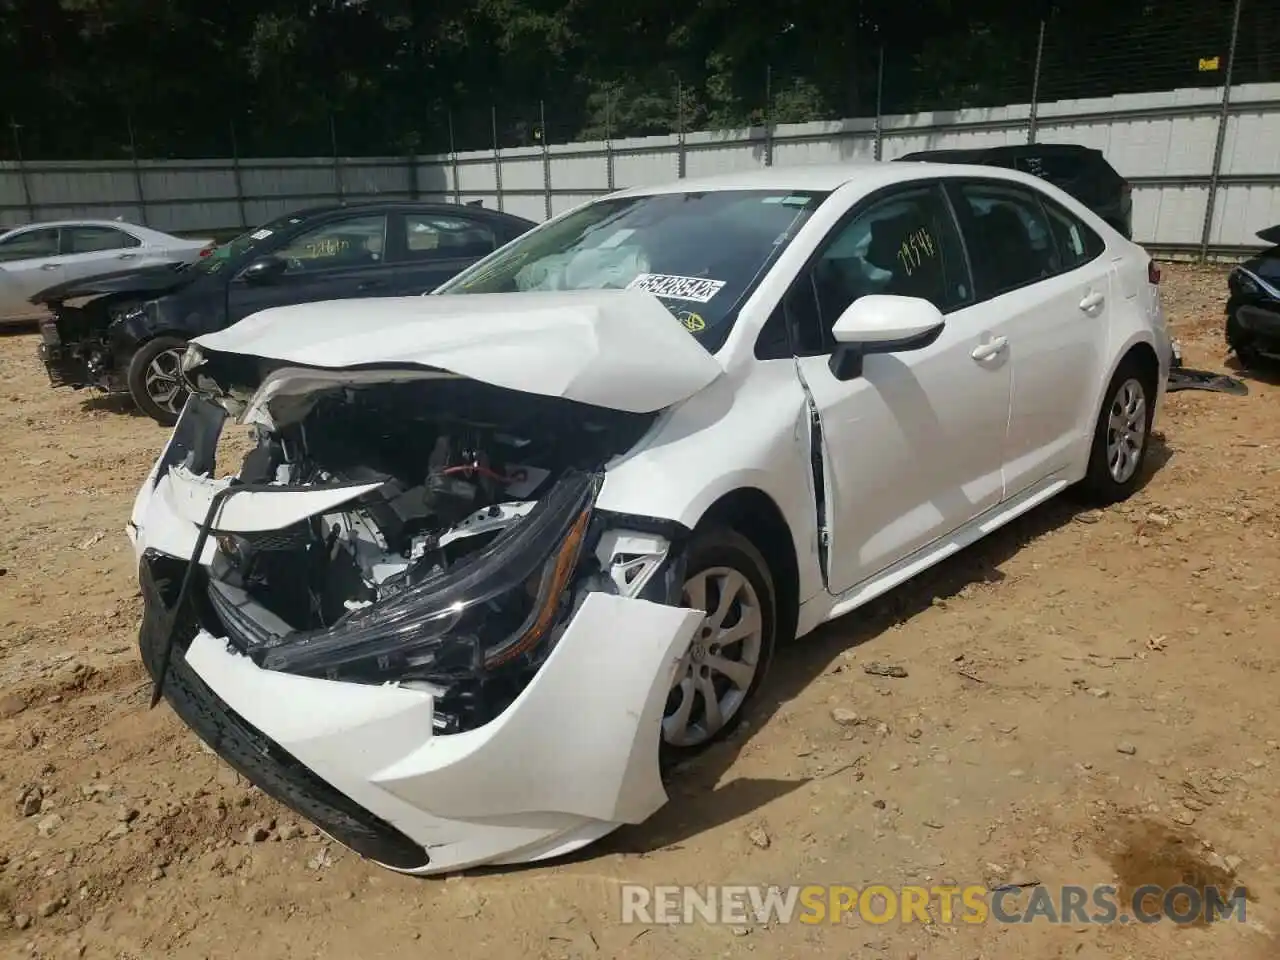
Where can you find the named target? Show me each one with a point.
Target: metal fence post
(497, 157)
(137, 172)
(879, 152)
(1211, 200)
(411, 163)
(680, 161)
(546, 157)
(337, 162)
(608, 140)
(453, 160)
(237, 177)
(1035, 87)
(22, 171)
(768, 115)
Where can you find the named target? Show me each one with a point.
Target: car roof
(48, 224)
(825, 178)
(436, 207)
(1004, 150)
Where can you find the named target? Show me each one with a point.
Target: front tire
(1122, 435)
(155, 379)
(730, 655)
(1241, 343)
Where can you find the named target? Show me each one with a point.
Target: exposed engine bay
(453, 571)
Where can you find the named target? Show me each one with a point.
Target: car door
(92, 249)
(430, 248)
(340, 258)
(1052, 304)
(911, 447)
(29, 263)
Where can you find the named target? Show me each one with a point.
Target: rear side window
(1008, 236)
(434, 237)
(1056, 168)
(93, 239)
(1077, 244)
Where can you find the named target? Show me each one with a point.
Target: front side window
(244, 244)
(1007, 235)
(352, 242)
(905, 244)
(93, 239)
(701, 254)
(30, 245)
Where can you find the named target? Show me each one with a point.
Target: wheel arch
(756, 515)
(1141, 349)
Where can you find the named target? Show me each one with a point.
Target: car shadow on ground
(119, 403)
(699, 800)
(1261, 372)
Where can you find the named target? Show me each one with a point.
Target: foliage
(108, 78)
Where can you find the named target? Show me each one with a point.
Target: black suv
(1080, 171)
(127, 331)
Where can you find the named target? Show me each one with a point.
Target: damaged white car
(500, 548)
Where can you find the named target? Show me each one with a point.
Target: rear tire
(731, 653)
(155, 379)
(1121, 435)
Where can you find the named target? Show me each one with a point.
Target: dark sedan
(126, 331)
(1253, 307)
(1080, 171)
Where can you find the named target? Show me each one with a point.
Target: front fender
(748, 432)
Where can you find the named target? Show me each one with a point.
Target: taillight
(1153, 272)
(207, 251)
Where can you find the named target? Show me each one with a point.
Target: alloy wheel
(1126, 430)
(715, 675)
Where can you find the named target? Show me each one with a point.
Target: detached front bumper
(574, 756)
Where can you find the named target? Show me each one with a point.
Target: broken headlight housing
(497, 609)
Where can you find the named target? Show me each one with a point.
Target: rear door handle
(368, 284)
(992, 348)
(49, 266)
(1092, 302)
(127, 256)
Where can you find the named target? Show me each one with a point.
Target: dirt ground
(1089, 699)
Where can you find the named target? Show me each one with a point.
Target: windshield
(234, 249)
(701, 254)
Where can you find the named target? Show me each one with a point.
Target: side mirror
(263, 270)
(879, 323)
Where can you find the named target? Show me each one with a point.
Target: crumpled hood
(619, 349)
(147, 281)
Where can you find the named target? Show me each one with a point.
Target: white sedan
(502, 549)
(42, 255)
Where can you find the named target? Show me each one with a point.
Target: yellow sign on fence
(1209, 64)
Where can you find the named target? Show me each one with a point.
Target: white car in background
(502, 548)
(41, 255)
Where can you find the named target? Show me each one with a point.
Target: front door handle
(48, 266)
(1092, 302)
(368, 284)
(127, 256)
(992, 348)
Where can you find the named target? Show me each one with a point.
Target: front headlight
(127, 312)
(494, 610)
(192, 357)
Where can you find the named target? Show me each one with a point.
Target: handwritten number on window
(916, 248)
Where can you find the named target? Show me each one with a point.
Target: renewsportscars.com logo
(974, 904)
